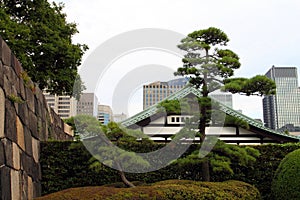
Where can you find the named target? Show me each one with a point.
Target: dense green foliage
(41, 38)
(286, 182)
(205, 60)
(66, 164)
(164, 190)
(258, 85)
(261, 174)
(222, 157)
(210, 67)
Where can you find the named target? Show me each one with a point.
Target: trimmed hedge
(164, 190)
(286, 182)
(65, 165)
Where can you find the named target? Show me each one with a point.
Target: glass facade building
(284, 107)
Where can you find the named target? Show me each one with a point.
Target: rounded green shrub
(286, 182)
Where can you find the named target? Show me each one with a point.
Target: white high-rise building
(64, 106)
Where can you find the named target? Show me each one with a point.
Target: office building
(283, 108)
(63, 106)
(105, 114)
(88, 104)
(225, 98)
(157, 91)
(119, 117)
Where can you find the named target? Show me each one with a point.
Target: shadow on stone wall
(25, 120)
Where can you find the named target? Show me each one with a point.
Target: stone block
(68, 130)
(28, 141)
(20, 134)
(36, 150)
(10, 121)
(5, 183)
(22, 92)
(6, 54)
(27, 164)
(16, 157)
(37, 107)
(16, 65)
(30, 99)
(9, 72)
(15, 184)
(2, 154)
(7, 86)
(1, 75)
(44, 131)
(23, 113)
(39, 94)
(2, 113)
(29, 188)
(1, 41)
(24, 185)
(8, 149)
(36, 172)
(32, 119)
(37, 189)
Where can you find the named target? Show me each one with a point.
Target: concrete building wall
(87, 105)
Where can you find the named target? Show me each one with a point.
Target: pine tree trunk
(205, 171)
(202, 125)
(125, 180)
(123, 176)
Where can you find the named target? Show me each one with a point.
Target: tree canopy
(41, 38)
(209, 67)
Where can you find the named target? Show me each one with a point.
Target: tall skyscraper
(284, 107)
(157, 91)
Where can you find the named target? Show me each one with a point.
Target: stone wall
(25, 120)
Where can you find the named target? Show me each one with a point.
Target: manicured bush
(286, 182)
(164, 190)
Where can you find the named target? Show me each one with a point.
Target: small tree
(209, 68)
(104, 148)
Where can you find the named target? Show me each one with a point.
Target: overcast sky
(263, 33)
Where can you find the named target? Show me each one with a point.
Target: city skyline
(258, 34)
